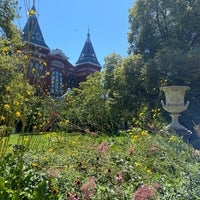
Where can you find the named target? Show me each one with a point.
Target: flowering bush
(144, 193)
(136, 165)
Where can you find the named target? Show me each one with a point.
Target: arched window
(56, 83)
(36, 68)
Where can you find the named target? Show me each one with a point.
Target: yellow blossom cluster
(16, 103)
(5, 49)
(44, 63)
(31, 12)
(18, 51)
(8, 88)
(17, 114)
(2, 118)
(6, 106)
(155, 112)
(174, 138)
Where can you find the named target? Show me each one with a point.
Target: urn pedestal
(175, 104)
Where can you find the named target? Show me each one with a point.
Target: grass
(115, 167)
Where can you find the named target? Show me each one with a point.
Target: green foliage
(86, 106)
(158, 24)
(115, 167)
(32, 185)
(166, 34)
(7, 10)
(111, 63)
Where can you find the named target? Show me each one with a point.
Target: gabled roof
(88, 54)
(32, 32)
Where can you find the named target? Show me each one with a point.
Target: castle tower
(87, 62)
(50, 69)
(32, 33)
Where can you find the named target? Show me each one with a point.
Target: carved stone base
(180, 130)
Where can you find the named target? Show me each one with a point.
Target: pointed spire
(33, 7)
(88, 54)
(88, 34)
(32, 32)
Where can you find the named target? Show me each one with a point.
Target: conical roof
(88, 54)
(32, 32)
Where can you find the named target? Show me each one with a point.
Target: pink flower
(88, 189)
(154, 148)
(103, 147)
(118, 177)
(144, 193)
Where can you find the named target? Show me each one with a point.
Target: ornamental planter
(175, 104)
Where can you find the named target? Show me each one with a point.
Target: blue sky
(65, 24)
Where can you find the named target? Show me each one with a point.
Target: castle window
(36, 68)
(56, 83)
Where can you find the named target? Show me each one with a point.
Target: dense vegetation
(135, 165)
(120, 151)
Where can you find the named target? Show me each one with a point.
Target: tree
(167, 34)
(157, 24)
(112, 61)
(86, 106)
(7, 14)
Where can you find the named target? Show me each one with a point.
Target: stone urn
(175, 104)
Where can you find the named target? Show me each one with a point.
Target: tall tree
(157, 24)
(112, 61)
(167, 34)
(7, 14)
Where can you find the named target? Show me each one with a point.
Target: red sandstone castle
(51, 68)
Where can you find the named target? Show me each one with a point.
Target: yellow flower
(46, 159)
(67, 121)
(31, 12)
(144, 133)
(16, 103)
(26, 139)
(141, 114)
(25, 57)
(135, 138)
(137, 164)
(6, 106)
(17, 114)
(39, 114)
(2, 118)
(149, 171)
(47, 73)
(8, 88)
(34, 164)
(44, 63)
(133, 119)
(172, 138)
(50, 150)
(18, 51)
(5, 49)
